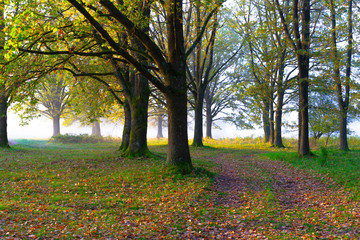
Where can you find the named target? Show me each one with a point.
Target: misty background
(41, 128)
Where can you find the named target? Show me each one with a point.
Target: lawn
(240, 189)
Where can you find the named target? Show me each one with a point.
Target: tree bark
(266, 120)
(139, 116)
(271, 113)
(209, 119)
(278, 119)
(96, 130)
(159, 127)
(4, 142)
(198, 129)
(127, 127)
(304, 145)
(56, 125)
(178, 155)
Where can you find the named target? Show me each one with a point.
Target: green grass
(343, 167)
(89, 191)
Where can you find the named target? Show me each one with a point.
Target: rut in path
(294, 191)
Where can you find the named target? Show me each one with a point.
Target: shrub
(71, 138)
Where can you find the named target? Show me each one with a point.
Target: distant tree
(323, 115)
(157, 112)
(93, 102)
(54, 97)
(95, 129)
(212, 57)
(219, 96)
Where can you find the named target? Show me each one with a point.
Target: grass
(343, 167)
(89, 191)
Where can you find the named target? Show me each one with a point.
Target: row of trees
(256, 58)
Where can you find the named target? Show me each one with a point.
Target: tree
(323, 114)
(157, 112)
(218, 97)
(198, 69)
(53, 95)
(212, 57)
(18, 73)
(343, 98)
(171, 68)
(300, 42)
(267, 59)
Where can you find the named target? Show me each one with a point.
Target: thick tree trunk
(56, 125)
(178, 149)
(159, 127)
(266, 120)
(96, 130)
(139, 119)
(198, 129)
(343, 131)
(4, 142)
(304, 145)
(127, 127)
(178, 156)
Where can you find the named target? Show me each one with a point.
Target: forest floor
(88, 191)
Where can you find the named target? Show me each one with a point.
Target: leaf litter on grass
(102, 196)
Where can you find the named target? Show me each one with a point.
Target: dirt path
(265, 199)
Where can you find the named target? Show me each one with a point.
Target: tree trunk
(198, 129)
(127, 127)
(178, 154)
(278, 120)
(266, 120)
(304, 145)
(139, 117)
(208, 125)
(4, 142)
(56, 125)
(96, 130)
(209, 119)
(139, 101)
(343, 131)
(160, 127)
(272, 130)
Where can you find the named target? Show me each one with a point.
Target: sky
(41, 128)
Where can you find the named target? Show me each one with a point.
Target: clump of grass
(323, 156)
